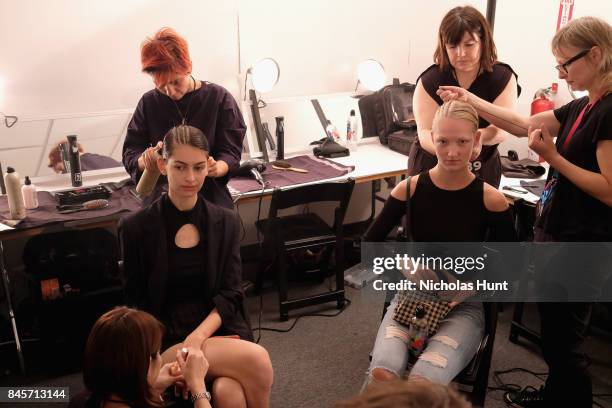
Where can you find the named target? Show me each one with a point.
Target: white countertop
(59, 182)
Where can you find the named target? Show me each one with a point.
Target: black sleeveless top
(447, 215)
(488, 86)
(438, 215)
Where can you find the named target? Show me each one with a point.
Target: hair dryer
(252, 167)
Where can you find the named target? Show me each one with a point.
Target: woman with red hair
(181, 99)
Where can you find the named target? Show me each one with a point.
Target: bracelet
(200, 395)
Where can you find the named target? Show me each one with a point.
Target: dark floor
(323, 359)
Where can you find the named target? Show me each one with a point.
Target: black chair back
(340, 191)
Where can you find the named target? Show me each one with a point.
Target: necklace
(184, 116)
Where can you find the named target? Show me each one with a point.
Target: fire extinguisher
(543, 100)
(541, 104)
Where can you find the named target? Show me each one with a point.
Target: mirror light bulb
(265, 75)
(371, 74)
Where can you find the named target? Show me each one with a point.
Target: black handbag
(388, 110)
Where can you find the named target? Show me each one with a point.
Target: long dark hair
(117, 356)
(454, 25)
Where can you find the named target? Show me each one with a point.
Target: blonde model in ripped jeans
(447, 204)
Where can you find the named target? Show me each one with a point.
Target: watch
(200, 395)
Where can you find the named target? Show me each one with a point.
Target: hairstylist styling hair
(576, 205)
(181, 99)
(465, 57)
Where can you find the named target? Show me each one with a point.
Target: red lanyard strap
(576, 124)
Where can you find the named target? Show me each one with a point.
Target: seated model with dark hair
(182, 264)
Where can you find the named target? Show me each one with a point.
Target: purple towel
(318, 169)
(46, 213)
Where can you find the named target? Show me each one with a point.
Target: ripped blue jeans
(447, 353)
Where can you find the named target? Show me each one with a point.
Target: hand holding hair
(541, 142)
(452, 93)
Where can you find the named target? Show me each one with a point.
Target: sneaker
(528, 397)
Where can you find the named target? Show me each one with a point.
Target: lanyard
(576, 124)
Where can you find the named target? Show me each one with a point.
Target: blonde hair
(585, 33)
(456, 110)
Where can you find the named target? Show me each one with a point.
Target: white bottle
(13, 193)
(30, 196)
(351, 131)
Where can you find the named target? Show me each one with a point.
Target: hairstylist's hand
(217, 168)
(541, 142)
(194, 368)
(148, 158)
(453, 93)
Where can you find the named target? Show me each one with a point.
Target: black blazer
(145, 260)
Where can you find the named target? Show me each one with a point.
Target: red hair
(165, 55)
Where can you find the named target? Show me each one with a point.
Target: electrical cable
(241, 221)
(508, 387)
(502, 386)
(347, 303)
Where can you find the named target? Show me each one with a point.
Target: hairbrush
(87, 205)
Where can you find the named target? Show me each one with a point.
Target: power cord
(241, 222)
(501, 386)
(347, 303)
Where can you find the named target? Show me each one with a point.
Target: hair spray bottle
(280, 137)
(75, 161)
(148, 180)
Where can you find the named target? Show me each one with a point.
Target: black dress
(151, 283)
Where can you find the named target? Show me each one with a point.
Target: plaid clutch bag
(436, 308)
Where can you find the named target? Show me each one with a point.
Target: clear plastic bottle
(332, 132)
(13, 193)
(30, 196)
(351, 131)
(419, 332)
